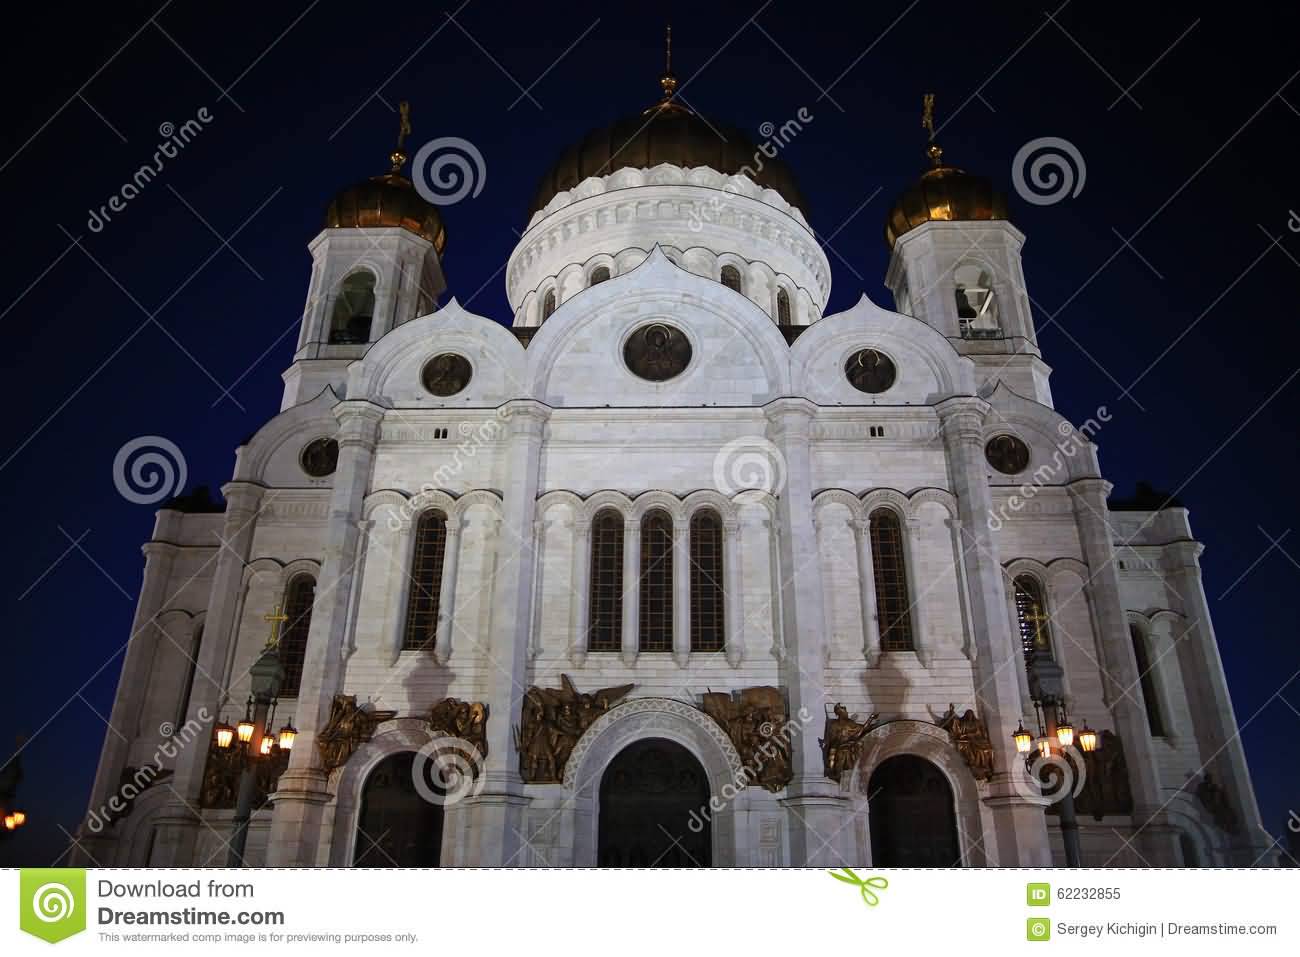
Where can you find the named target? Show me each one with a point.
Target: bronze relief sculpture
(350, 725)
(552, 721)
(466, 720)
(970, 736)
(870, 371)
(755, 721)
(657, 352)
(841, 741)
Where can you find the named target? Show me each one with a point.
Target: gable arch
(839, 496)
(890, 498)
(933, 496)
(708, 498)
(654, 499)
(606, 498)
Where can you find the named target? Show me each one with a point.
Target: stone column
(920, 623)
(867, 591)
(818, 837)
(178, 822)
(298, 819)
(1156, 840)
(132, 685)
(1214, 720)
(681, 593)
(734, 595)
(496, 813)
(631, 591)
(447, 590)
(1019, 828)
(963, 589)
(579, 623)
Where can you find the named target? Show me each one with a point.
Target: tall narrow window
(1031, 617)
(605, 631)
(599, 274)
(548, 304)
(707, 631)
(656, 628)
(188, 687)
(354, 309)
(1147, 678)
(426, 582)
(782, 307)
(731, 278)
(888, 566)
(299, 595)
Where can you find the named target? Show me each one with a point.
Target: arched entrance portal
(397, 827)
(647, 796)
(913, 821)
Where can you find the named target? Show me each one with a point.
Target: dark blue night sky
(153, 326)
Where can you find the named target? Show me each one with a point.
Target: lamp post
(252, 734)
(11, 775)
(1055, 735)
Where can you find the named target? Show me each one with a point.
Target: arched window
(599, 274)
(656, 629)
(888, 566)
(782, 307)
(1147, 678)
(977, 311)
(299, 595)
(731, 278)
(548, 304)
(354, 309)
(188, 688)
(707, 630)
(1031, 617)
(605, 632)
(426, 582)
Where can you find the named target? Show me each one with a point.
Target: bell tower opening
(354, 309)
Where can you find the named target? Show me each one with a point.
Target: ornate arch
(605, 498)
(889, 498)
(838, 496)
(924, 740)
(476, 497)
(930, 495)
(708, 498)
(655, 499)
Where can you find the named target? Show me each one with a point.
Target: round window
(870, 371)
(1006, 453)
(657, 352)
(446, 374)
(320, 457)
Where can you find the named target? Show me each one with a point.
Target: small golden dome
(389, 200)
(944, 194)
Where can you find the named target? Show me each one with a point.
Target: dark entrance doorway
(397, 827)
(913, 821)
(647, 797)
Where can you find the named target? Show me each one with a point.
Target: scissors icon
(864, 885)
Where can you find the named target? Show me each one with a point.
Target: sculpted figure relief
(350, 725)
(970, 736)
(553, 720)
(466, 720)
(842, 740)
(755, 720)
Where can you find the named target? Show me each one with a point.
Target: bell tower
(376, 264)
(956, 265)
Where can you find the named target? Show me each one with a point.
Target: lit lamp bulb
(225, 735)
(245, 731)
(1087, 738)
(20, 818)
(1023, 739)
(265, 747)
(10, 823)
(287, 734)
(1065, 734)
(1045, 747)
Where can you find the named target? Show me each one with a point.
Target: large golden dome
(944, 194)
(666, 133)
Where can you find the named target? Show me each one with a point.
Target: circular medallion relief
(657, 352)
(1006, 453)
(320, 457)
(870, 371)
(446, 374)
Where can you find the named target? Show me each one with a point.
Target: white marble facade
(551, 429)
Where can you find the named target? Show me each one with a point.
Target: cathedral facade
(674, 567)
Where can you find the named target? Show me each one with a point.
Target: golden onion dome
(944, 194)
(667, 132)
(388, 200)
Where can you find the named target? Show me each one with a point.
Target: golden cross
(404, 129)
(275, 618)
(668, 60)
(927, 114)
